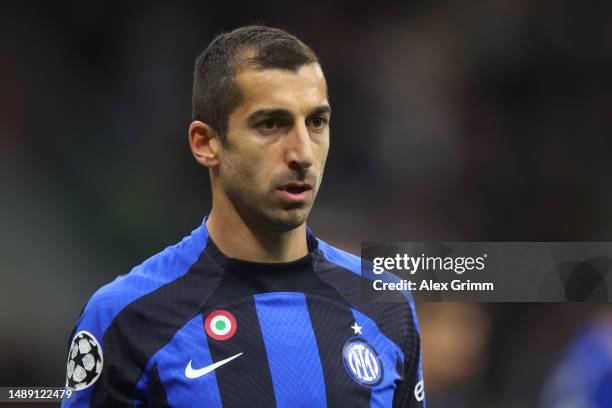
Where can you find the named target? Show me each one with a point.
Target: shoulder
(155, 272)
(358, 266)
(339, 257)
(121, 321)
(347, 273)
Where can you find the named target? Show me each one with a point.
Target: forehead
(297, 91)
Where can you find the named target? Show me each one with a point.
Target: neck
(237, 238)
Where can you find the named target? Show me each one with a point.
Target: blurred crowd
(453, 121)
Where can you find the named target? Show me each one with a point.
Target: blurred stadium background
(453, 120)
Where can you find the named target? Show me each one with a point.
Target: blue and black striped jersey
(191, 327)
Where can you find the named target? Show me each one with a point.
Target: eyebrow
(320, 110)
(262, 114)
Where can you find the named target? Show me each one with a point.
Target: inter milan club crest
(362, 362)
(84, 361)
(220, 325)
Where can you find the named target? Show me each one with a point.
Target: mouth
(295, 192)
(296, 188)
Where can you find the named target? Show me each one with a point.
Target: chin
(286, 220)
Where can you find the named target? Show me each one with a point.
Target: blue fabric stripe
(389, 353)
(189, 343)
(291, 347)
(141, 386)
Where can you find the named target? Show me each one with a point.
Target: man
(250, 310)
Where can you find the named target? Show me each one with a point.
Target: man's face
(277, 143)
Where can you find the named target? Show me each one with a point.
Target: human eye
(318, 122)
(270, 125)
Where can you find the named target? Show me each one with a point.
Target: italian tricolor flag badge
(220, 325)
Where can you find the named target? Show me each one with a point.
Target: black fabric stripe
(246, 381)
(244, 279)
(145, 326)
(404, 396)
(402, 393)
(157, 391)
(332, 323)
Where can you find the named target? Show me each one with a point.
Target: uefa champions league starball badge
(84, 361)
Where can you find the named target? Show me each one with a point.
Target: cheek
(248, 169)
(321, 150)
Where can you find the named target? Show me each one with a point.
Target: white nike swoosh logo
(191, 373)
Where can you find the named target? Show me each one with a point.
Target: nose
(299, 151)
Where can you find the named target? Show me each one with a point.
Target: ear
(205, 144)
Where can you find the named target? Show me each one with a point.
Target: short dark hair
(215, 93)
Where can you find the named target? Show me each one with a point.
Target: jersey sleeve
(94, 379)
(411, 391)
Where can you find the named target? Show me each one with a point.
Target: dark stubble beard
(257, 207)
